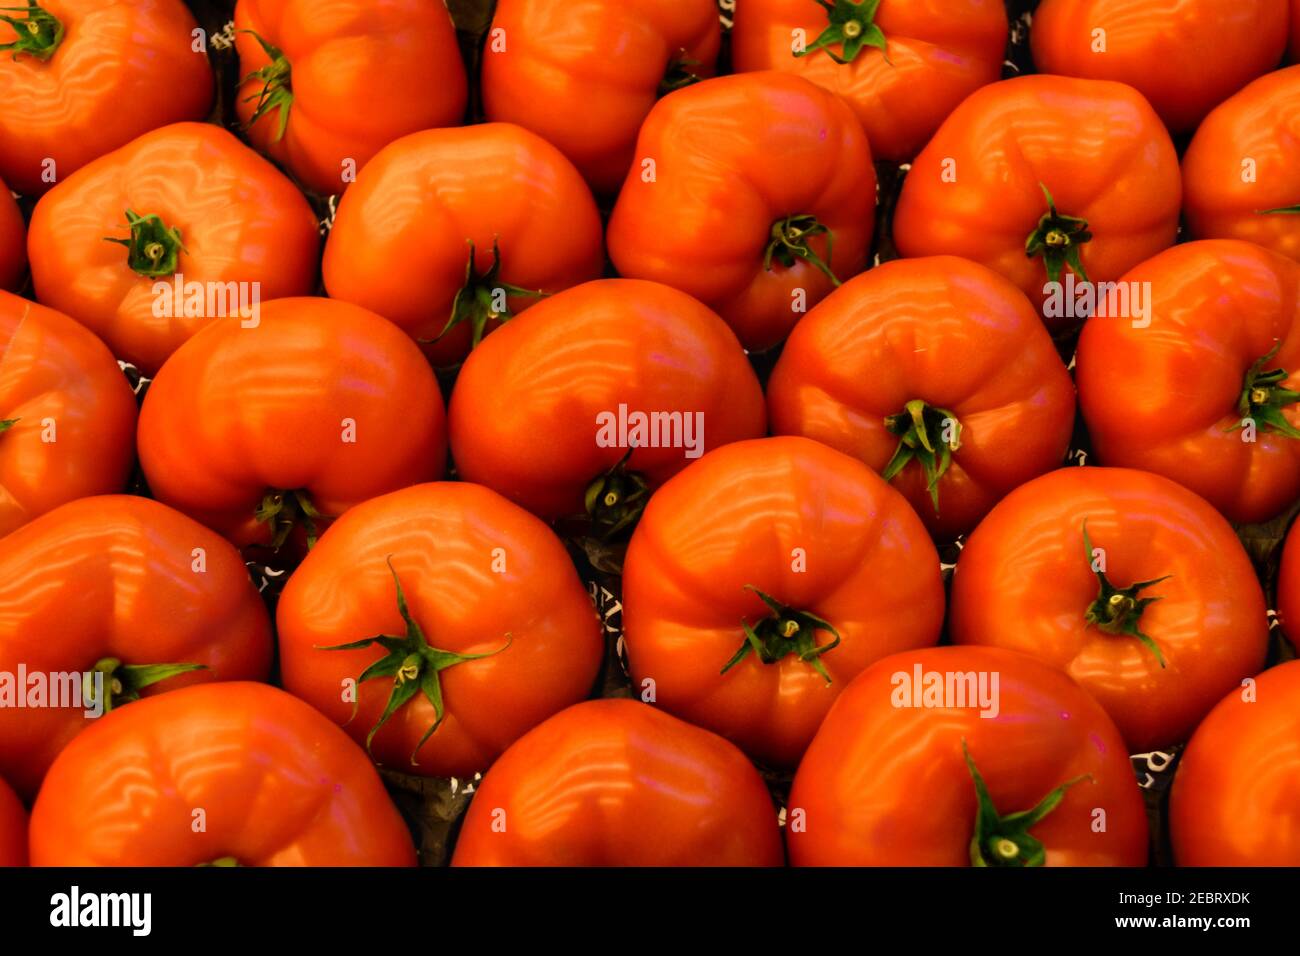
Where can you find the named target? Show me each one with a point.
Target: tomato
(1202, 389)
(274, 783)
(275, 430)
(546, 410)
(1129, 583)
(1236, 796)
(1288, 586)
(13, 828)
(936, 372)
(752, 193)
(498, 217)
(934, 757)
(324, 88)
(13, 242)
(903, 65)
(1242, 168)
(79, 78)
(1295, 31)
(584, 74)
(1082, 172)
(1206, 50)
(67, 414)
(619, 783)
(491, 631)
(128, 588)
(762, 579)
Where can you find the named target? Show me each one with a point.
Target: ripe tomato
(935, 372)
(79, 78)
(584, 74)
(324, 88)
(619, 783)
(914, 768)
(128, 588)
(1185, 57)
(272, 781)
(67, 414)
(277, 429)
(491, 630)
(1040, 175)
(1220, 347)
(195, 210)
(1288, 586)
(1236, 796)
(902, 66)
(1242, 168)
(13, 828)
(13, 242)
(762, 579)
(1132, 585)
(545, 411)
(499, 216)
(753, 193)
(1295, 31)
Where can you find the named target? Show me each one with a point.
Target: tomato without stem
(935, 372)
(13, 242)
(13, 828)
(1288, 586)
(1204, 388)
(619, 783)
(752, 193)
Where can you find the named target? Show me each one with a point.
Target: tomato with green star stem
(13, 828)
(13, 242)
(1288, 586)
(1131, 584)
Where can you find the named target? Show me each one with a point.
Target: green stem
(789, 242)
(1283, 210)
(124, 682)
(928, 435)
(154, 249)
(222, 861)
(1119, 610)
(679, 74)
(851, 24)
(1058, 239)
(285, 510)
(1264, 395)
(477, 301)
(784, 632)
(614, 501)
(39, 32)
(277, 87)
(8, 423)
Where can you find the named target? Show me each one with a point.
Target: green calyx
(154, 249)
(1284, 211)
(285, 510)
(482, 299)
(122, 683)
(1119, 610)
(614, 501)
(927, 435)
(39, 32)
(1058, 239)
(680, 73)
(8, 423)
(277, 89)
(413, 665)
(852, 27)
(1264, 395)
(222, 861)
(789, 243)
(1004, 840)
(782, 633)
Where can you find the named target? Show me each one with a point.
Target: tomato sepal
(285, 510)
(1058, 239)
(789, 243)
(277, 87)
(39, 33)
(1118, 611)
(1263, 397)
(785, 632)
(123, 683)
(852, 25)
(154, 249)
(474, 302)
(920, 428)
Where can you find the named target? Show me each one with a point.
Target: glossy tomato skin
(279, 785)
(951, 333)
(402, 251)
(362, 75)
(1295, 31)
(321, 396)
(1236, 795)
(1025, 581)
(1288, 586)
(480, 576)
(620, 783)
(1244, 160)
(1216, 308)
(886, 785)
(118, 577)
(732, 157)
(524, 413)
(939, 52)
(73, 413)
(13, 828)
(124, 67)
(13, 242)
(1206, 49)
(1097, 146)
(815, 530)
(585, 74)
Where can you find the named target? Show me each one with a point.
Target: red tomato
(67, 414)
(1295, 31)
(546, 409)
(1040, 176)
(13, 828)
(936, 372)
(494, 630)
(584, 74)
(326, 86)
(1242, 168)
(1129, 583)
(277, 429)
(1184, 56)
(196, 210)
(762, 579)
(499, 217)
(13, 242)
(619, 783)
(1288, 586)
(1236, 797)
(1203, 388)
(274, 782)
(886, 781)
(126, 587)
(903, 65)
(752, 193)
